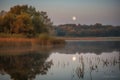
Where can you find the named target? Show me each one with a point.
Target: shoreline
(17, 45)
(90, 38)
(30, 42)
(62, 38)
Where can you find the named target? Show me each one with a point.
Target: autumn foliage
(25, 20)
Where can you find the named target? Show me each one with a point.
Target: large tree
(25, 20)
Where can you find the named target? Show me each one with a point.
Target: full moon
(73, 58)
(73, 18)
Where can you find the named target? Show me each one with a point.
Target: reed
(29, 42)
(8, 35)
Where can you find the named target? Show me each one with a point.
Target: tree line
(25, 20)
(96, 30)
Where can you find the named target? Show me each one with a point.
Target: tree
(7, 22)
(1, 23)
(25, 20)
(23, 23)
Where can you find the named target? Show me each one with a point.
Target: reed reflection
(80, 68)
(86, 66)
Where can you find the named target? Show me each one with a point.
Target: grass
(6, 35)
(21, 42)
(49, 40)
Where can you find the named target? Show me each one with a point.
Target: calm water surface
(77, 60)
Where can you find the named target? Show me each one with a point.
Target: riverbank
(90, 38)
(29, 42)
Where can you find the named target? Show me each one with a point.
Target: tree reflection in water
(24, 67)
(96, 47)
(76, 61)
(27, 66)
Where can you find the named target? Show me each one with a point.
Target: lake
(77, 60)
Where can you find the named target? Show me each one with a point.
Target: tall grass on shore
(41, 41)
(45, 39)
(8, 35)
(24, 45)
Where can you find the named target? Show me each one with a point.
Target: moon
(73, 18)
(73, 58)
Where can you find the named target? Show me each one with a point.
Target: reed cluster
(29, 42)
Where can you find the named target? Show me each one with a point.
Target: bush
(44, 36)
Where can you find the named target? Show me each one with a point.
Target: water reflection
(24, 67)
(80, 68)
(87, 66)
(96, 47)
(77, 60)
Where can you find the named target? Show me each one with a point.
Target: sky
(88, 12)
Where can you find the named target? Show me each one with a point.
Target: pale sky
(61, 11)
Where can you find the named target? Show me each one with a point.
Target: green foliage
(25, 20)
